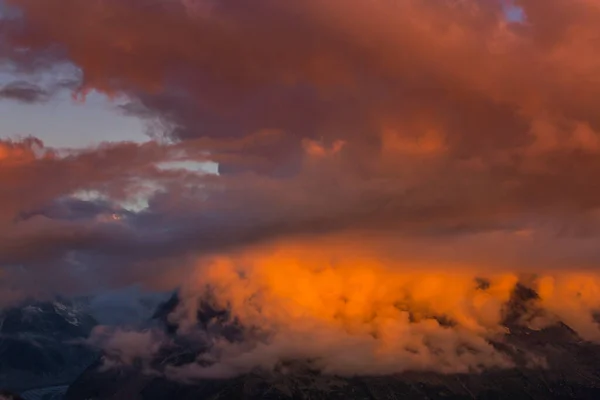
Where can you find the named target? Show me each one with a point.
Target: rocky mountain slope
(572, 372)
(41, 344)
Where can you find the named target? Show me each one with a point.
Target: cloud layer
(352, 310)
(439, 130)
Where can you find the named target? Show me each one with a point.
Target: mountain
(130, 306)
(572, 372)
(41, 344)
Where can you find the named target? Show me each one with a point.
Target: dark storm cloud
(29, 92)
(24, 92)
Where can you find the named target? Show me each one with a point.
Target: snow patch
(70, 314)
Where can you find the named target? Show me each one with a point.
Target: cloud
(23, 92)
(352, 309)
(129, 306)
(402, 65)
(389, 85)
(29, 92)
(125, 347)
(441, 131)
(44, 228)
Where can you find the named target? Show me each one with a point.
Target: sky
(61, 122)
(367, 153)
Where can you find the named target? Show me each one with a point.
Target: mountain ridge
(43, 343)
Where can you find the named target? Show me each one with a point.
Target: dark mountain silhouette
(41, 344)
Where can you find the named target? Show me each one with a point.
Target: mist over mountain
(57, 347)
(127, 306)
(549, 363)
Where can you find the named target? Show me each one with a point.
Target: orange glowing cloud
(22, 152)
(353, 310)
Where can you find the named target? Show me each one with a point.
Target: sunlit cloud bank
(347, 309)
